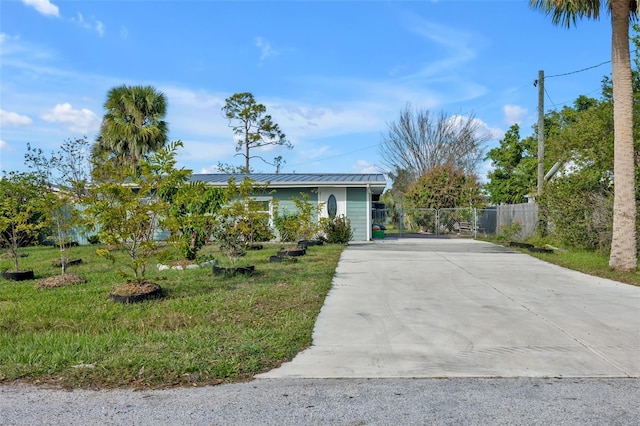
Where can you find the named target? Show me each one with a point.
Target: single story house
(348, 194)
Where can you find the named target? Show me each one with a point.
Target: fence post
(474, 221)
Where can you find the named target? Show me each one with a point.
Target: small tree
(301, 225)
(444, 187)
(242, 220)
(253, 127)
(192, 207)
(64, 175)
(127, 210)
(21, 207)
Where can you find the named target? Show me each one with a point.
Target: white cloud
(514, 114)
(363, 166)
(482, 129)
(3, 145)
(91, 24)
(205, 151)
(265, 48)
(299, 120)
(81, 121)
(45, 7)
(13, 119)
(100, 28)
(460, 46)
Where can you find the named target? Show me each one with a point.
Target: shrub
(509, 232)
(303, 224)
(287, 225)
(337, 230)
(578, 208)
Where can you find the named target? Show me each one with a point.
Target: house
(348, 194)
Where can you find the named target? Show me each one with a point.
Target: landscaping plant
(64, 176)
(301, 225)
(126, 211)
(337, 230)
(241, 221)
(192, 206)
(21, 212)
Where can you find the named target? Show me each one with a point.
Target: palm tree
(133, 125)
(623, 255)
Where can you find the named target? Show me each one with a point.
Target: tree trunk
(623, 255)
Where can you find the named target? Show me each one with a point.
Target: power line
(335, 156)
(577, 71)
(550, 100)
(535, 82)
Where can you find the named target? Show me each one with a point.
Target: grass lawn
(589, 262)
(206, 330)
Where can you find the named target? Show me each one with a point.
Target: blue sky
(332, 74)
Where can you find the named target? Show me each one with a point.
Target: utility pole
(540, 82)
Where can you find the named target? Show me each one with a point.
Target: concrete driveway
(423, 308)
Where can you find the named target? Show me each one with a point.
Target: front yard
(205, 330)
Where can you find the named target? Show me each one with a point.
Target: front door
(334, 201)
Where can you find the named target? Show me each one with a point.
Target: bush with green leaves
(337, 230)
(301, 225)
(578, 209)
(287, 225)
(192, 206)
(242, 220)
(509, 232)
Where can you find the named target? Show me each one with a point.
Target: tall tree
(418, 142)
(624, 255)
(514, 163)
(133, 125)
(253, 126)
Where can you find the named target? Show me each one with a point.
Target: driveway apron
(426, 307)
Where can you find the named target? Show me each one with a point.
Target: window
(332, 206)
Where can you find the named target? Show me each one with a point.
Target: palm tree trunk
(623, 255)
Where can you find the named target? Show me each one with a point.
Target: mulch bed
(135, 292)
(60, 281)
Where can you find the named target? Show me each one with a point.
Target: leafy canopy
(253, 127)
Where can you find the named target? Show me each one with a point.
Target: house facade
(340, 194)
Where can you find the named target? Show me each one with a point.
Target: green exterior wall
(357, 212)
(284, 196)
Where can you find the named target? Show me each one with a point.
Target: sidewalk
(424, 308)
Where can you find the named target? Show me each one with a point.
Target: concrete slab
(410, 308)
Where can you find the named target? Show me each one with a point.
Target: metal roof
(376, 181)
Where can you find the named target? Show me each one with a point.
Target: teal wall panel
(357, 212)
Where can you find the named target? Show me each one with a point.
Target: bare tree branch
(418, 142)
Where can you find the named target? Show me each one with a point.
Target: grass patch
(589, 262)
(206, 330)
